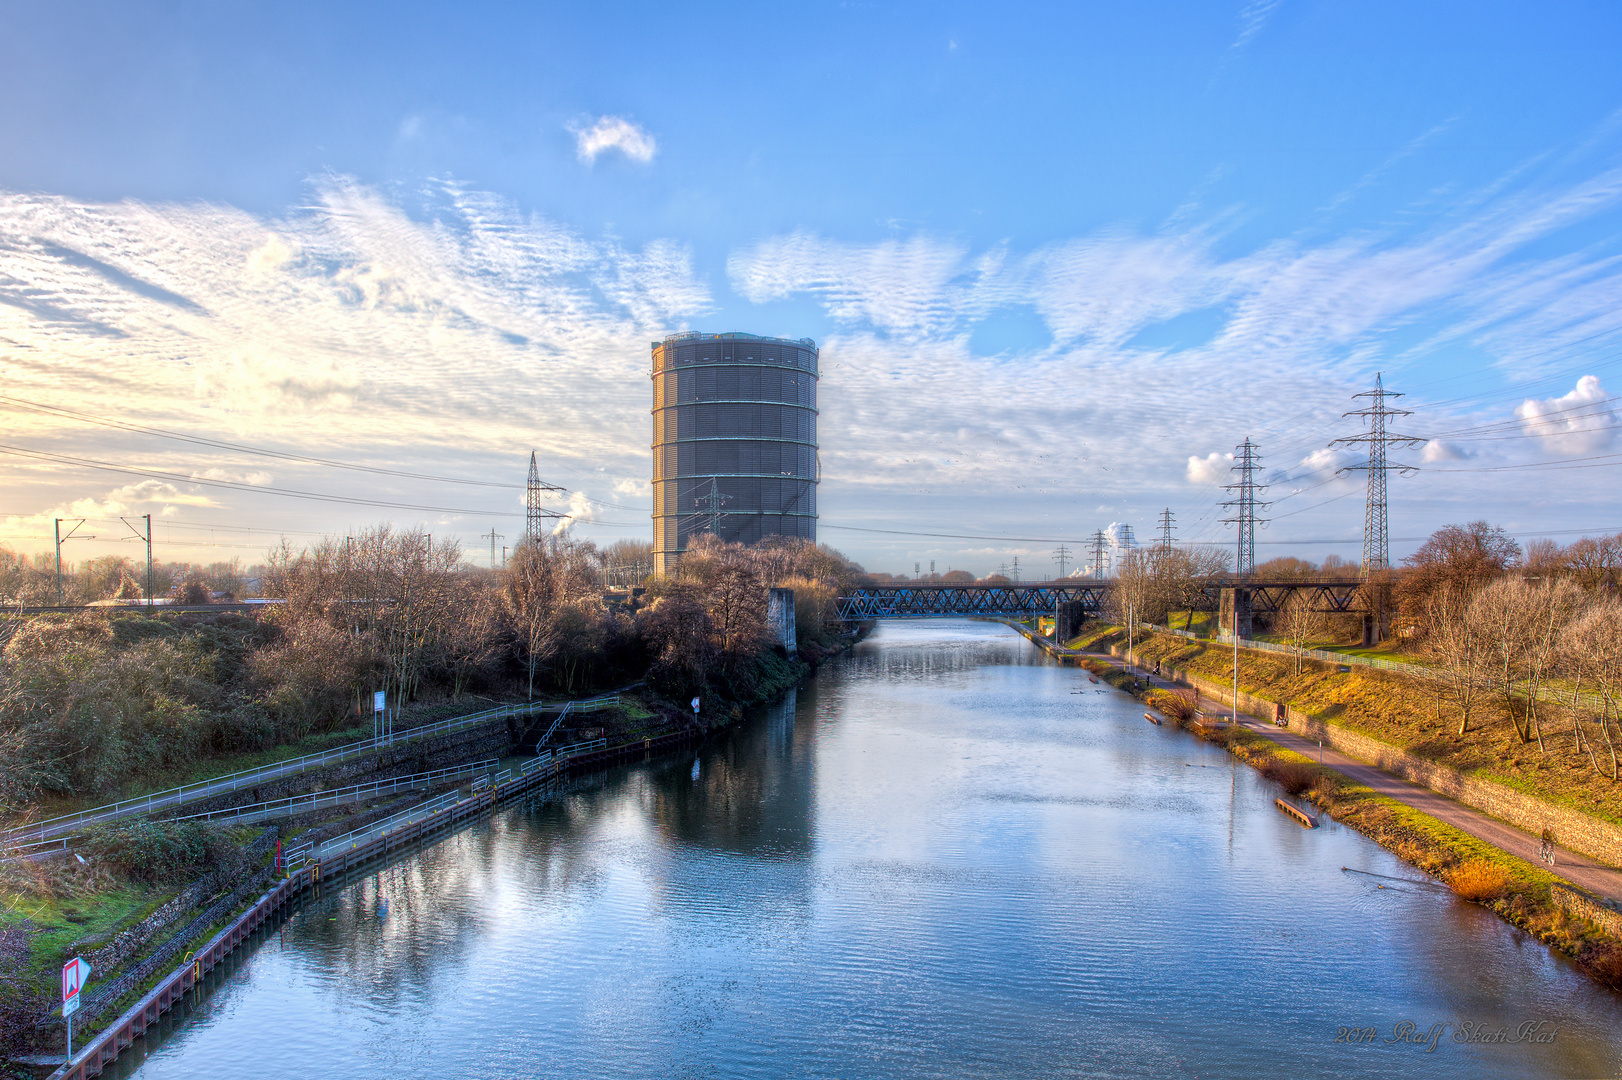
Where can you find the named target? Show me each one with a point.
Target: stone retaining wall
(1572, 828)
(1579, 903)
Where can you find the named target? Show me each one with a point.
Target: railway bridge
(1073, 600)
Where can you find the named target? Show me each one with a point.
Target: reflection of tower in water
(750, 790)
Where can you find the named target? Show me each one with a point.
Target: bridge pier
(1068, 615)
(780, 619)
(1236, 612)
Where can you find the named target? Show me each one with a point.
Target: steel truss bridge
(1338, 597)
(932, 601)
(937, 601)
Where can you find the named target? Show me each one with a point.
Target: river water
(943, 857)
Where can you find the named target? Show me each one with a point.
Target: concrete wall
(1576, 830)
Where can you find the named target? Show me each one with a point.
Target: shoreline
(1539, 901)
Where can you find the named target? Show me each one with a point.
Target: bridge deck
(929, 600)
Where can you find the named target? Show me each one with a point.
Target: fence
(298, 804)
(1545, 693)
(360, 837)
(589, 705)
(579, 748)
(204, 789)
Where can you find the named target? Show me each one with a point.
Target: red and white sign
(75, 973)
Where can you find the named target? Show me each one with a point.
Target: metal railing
(204, 789)
(299, 804)
(588, 705)
(361, 837)
(1325, 655)
(576, 749)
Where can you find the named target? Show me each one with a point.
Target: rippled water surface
(943, 857)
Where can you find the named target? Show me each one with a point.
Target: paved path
(1578, 869)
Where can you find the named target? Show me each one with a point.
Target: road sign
(695, 706)
(379, 701)
(75, 973)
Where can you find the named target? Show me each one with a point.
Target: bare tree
(1455, 648)
(1300, 624)
(543, 579)
(1555, 605)
(1594, 644)
(1503, 616)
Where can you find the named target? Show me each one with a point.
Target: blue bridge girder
(934, 601)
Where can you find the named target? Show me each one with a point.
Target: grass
(1403, 711)
(60, 921)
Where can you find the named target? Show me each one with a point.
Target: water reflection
(944, 856)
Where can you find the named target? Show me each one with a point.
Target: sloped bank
(1567, 919)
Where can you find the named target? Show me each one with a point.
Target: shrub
(1177, 704)
(1295, 777)
(162, 851)
(1478, 880)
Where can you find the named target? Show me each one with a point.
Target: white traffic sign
(695, 706)
(75, 973)
(379, 701)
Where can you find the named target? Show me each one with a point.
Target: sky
(1059, 259)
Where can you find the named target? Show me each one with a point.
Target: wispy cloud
(437, 337)
(613, 133)
(1252, 17)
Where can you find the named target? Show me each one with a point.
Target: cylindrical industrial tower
(734, 440)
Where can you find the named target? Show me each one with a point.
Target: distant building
(734, 440)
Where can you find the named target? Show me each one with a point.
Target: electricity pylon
(1376, 531)
(1061, 555)
(1100, 554)
(535, 515)
(1245, 505)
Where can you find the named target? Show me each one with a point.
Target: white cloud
(1324, 464)
(1437, 451)
(258, 478)
(613, 133)
(1210, 469)
(271, 256)
(1582, 420)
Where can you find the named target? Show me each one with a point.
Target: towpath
(1580, 870)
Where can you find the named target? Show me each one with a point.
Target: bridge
(929, 600)
(932, 600)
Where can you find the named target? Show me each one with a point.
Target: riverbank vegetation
(98, 703)
(1516, 890)
(1513, 658)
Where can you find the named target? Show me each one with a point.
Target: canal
(943, 857)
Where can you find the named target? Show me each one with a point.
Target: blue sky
(1057, 256)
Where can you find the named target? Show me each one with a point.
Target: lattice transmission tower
(1061, 555)
(1376, 529)
(1100, 543)
(535, 515)
(1167, 523)
(1245, 504)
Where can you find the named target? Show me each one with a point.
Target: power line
(242, 448)
(232, 485)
